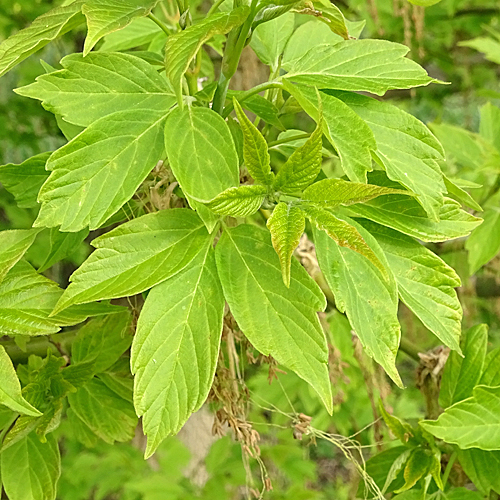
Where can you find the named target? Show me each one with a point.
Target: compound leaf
(255, 153)
(31, 469)
(88, 88)
(278, 321)
(239, 201)
(106, 16)
(286, 224)
(369, 298)
(176, 347)
(136, 256)
(44, 29)
(182, 47)
(471, 423)
(100, 169)
(374, 66)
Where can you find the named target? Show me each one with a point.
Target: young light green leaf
(401, 429)
(354, 143)
(136, 256)
(10, 390)
(140, 31)
(405, 147)
(27, 299)
(472, 423)
(31, 469)
(182, 47)
(425, 283)
(343, 233)
(484, 242)
(331, 15)
(88, 88)
(278, 321)
(482, 468)
(13, 246)
(286, 224)
(44, 29)
(62, 245)
(109, 416)
(255, 153)
(369, 299)
(462, 374)
(25, 180)
(374, 66)
(176, 347)
(330, 193)
(100, 169)
(269, 39)
(406, 215)
(303, 166)
(102, 341)
(106, 16)
(458, 193)
(202, 155)
(239, 201)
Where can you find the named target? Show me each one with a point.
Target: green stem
(289, 139)
(449, 466)
(236, 41)
(249, 93)
(161, 24)
(409, 349)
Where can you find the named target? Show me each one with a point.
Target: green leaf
(286, 224)
(484, 242)
(472, 423)
(80, 430)
(374, 66)
(25, 180)
(261, 107)
(182, 47)
(303, 166)
(202, 156)
(369, 298)
(424, 3)
(31, 469)
(239, 201)
(88, 88)
(489, 126)
(13, 245)
(306, 37)
(406, 215)
(482, 468)
(379, 468)
(140, 31)
(330, 193)
(417, 467)
(44, 29)
(100, 169)
(27, 299)
(176, 348)
(401, 429)
(343, 233)
(106, 16)
(136, 256)
(491, 371)
(255, 153)
(278, 321)
(10, 390)
(61, 246)
(102, 341)
(354, 143)
(269, 39)
(459, 194)
(487, 45)
(332, 16)
(109, 416)
(425, 283)
(463, 493)
(406, 149)
(462, 374)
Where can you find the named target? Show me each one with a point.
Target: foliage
(302, 229)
